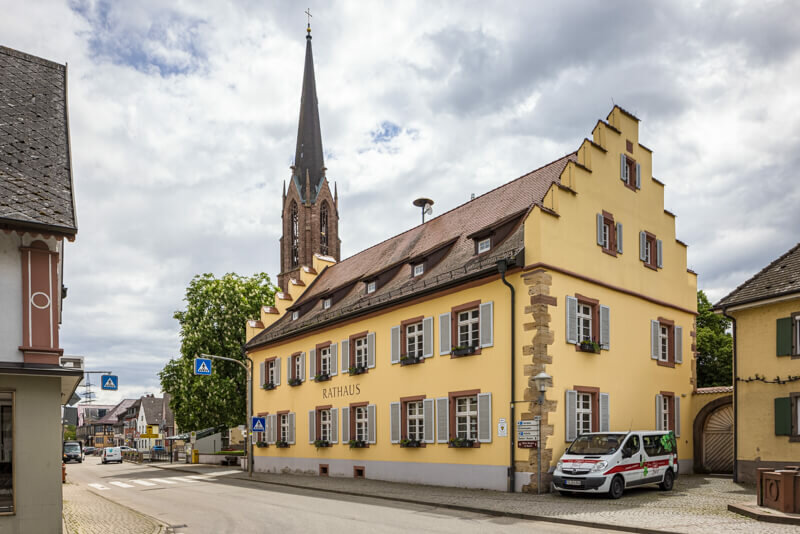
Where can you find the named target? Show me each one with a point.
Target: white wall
(10, 298)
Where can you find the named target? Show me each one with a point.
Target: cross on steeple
(308, 12)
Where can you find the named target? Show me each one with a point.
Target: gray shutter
(659, 254)
(623, 168)
(303, 367)
(371, 424)
(678, 344)
(428, 420)
(395, 354)
(442, 420)
(312, 363)
(659, 412)
(334, 425)
(654, 345)
(572, 320)
(600, 221)
(312, 426)
(291, 428)
(277, 371)
(274, 428)
(394, 422)
(485, 417)
(605, 327)
(345, 425)
(262, 367)
(268, 429)
(619, 237)
(444, 334)
(427, 337)
(371, 350)
(345, 356)
(334, 359)
(642, 246)
(604, 415)
(571, 415)
(677, 409)
(487, 324)
(638, 176)
(290, 365)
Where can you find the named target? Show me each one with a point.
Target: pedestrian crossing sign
(109, 382)
(259, 424)
(202, 366)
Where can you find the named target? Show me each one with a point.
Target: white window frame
(473, 324)
(298, 369)
(467, 417)
(606, 235)
(414, 345)
(360, 352)
(583, 415)
(666, 410)
(325, 425)
(325, 361)
(415, 421)
(295, 315)
(484, 245)
(284, 427)
(584, 320)
(326, 303)
(361, 423)
(647, 251)
(663, 343)
(419, 269)
(371, 286)
(271, 368)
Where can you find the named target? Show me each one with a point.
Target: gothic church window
(323, 229)
(295, 235)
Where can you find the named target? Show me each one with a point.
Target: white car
(112, 454)
(610, 462)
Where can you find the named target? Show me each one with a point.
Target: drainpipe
(735, 401)
(502, 267)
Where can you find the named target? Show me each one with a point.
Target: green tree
(214, 323)
(69, 432)
(714, 346)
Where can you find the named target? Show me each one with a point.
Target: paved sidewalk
(86, 512)
(697, 504)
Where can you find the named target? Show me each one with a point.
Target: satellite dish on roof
(427, 206)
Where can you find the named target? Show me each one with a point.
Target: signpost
(259, 424)
(109, 382)
(528, 434)
(202, 366)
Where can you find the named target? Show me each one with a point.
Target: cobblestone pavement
(698, 504)
(85, 512)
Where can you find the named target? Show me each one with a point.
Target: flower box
(357, 370)
(268, 386)
(295, 382)
(458, 351)
(262, 444)
(411, 360)
(357, 444)
(461, 443)
(282, 444)
(410, 443)
(319, 443)
(588, 346)
(322, 377)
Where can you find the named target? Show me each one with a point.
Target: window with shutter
(572, 320)
(570, 425)
(427, 337)
(428, 418)
(412, 341)
(783, 416)
(487, 324)
(666, 342)
(650, 250)
(334, 359)
(607, 233)
(630, 172)
(371, 350)
(463, 420)
(588, 324)
(485, 417)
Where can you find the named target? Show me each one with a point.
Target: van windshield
(72, 447)
(596, 444)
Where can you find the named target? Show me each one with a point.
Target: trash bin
(195, 456)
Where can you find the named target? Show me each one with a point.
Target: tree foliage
(69, 432)
(214, 323)
(714, 346)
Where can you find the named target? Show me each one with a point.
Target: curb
(770, 516)
(457, 507)
(164, 528)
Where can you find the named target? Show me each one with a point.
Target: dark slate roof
(112, 416)
(452, 231)
(35, 167)
(781, 277)
(308, 153)
(153, 410)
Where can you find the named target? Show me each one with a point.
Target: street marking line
(143, 482)
(221, 473)
(181, 479)
(198, 477)
(122, 484)
(98, 487)
(163, 481)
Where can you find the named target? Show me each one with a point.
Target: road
(219, 504)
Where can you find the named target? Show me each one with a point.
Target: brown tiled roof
(449, 229)
(781, 277)
(714, 389)
(35, 170)
(112, 416)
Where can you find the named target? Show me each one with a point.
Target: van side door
(630, 463)
(656, 458)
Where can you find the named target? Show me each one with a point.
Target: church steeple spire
(308, 160)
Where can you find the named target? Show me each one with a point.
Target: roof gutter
(735, 400)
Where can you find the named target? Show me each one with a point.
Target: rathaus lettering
(341, 391)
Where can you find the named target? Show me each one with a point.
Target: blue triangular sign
(203, 368)
(257, 426)
(109, 383)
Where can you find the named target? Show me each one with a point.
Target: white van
(609, 462)
(112, 454)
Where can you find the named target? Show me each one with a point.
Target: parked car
(89, 450)
(72, 452)
(112, 454)
(159, 448)
(609, 462)
(125, 448)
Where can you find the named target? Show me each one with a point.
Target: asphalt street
(219, 504)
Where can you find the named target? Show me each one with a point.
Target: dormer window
(295, 315)
(371, 287)
(484, 245)
(326, 303)
(419, 269)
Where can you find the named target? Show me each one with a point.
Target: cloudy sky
(184, 115)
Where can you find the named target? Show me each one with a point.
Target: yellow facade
(561, 259)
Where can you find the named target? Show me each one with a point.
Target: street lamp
(542, 381)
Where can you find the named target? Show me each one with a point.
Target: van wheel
(668, 482)
(617, 487)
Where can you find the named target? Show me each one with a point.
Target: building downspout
(502, 267)
(735, 401)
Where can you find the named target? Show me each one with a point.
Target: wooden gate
(718, 441)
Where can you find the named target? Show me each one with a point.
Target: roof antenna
(472, 196)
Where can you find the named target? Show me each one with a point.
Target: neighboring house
(425, 344)
(131, 420)
(108, 429)
(766, 366)
(88, 415)
(37, 217)
(153, 411)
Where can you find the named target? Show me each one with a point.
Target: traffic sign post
(202, 366)
(109, 382)
(258, 424)
(528, 434)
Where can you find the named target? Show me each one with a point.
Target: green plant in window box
(357, 443)
(261, 444)
(295, 381)
(463, 350)
(357, 369)
(268, 386)
(282, 444)
(588, 346)
(461, 443)
(318, 443)
(410, 443)
(322, 377)
(410, 360)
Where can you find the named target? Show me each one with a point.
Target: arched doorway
(713, 434)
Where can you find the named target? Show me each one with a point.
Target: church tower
(310, 209)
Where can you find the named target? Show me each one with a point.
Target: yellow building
(414, 359)
(766, 366)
